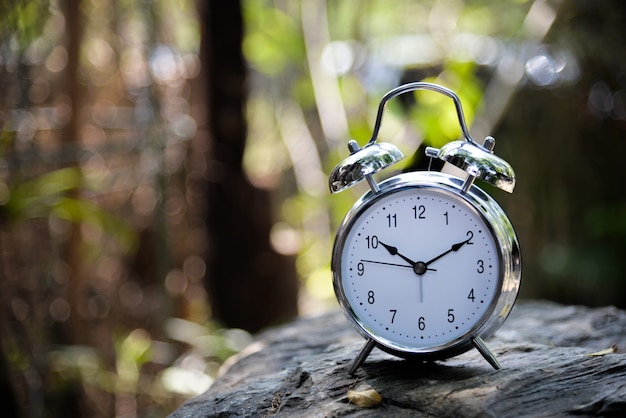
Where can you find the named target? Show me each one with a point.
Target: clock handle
(365, 351)
(486, 352)
(420, 86)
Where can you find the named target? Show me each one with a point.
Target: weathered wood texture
(301, 369)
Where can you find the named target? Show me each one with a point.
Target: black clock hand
(385, 263)
(455, 247)
(419, 268)
(394, 251)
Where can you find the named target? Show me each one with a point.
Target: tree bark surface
(557, 361)
(240, 214)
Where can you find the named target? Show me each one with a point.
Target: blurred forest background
(163, 169)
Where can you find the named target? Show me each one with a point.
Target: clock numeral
(446, 216)
(392, 220)
(360, 269)
(370, 297)
(470, 236)
(481, 266)
(393, 314)
(450, 315)
(421, 324)
(471, 295)
(372, 241)
(419, 212)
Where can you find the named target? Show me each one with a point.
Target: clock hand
(394, 251)
(421, 283)
(385, 263)
(419, 267)
(455, 247)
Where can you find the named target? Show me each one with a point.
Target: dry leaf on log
(612, 349)
(368, 398)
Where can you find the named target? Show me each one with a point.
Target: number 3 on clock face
(420, 268)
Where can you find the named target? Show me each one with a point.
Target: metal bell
(478, 161)
(362, 163)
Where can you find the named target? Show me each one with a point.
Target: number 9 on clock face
(421, 267)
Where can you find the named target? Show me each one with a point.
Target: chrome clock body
(426, 265)
(397, 294)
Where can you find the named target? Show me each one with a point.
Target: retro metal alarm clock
(426, 265)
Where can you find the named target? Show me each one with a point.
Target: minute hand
(455, 247)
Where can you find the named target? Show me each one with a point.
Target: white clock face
(419, 269)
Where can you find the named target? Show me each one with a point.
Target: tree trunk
(250, 285)
(75, 329)
(566, 144)
(554, 357)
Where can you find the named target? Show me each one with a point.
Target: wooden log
(557, 361)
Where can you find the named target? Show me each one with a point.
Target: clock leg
(486, 352)
(365, 351)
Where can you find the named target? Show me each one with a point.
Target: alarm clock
(426, 265)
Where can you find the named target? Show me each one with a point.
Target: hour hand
(394, 251)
